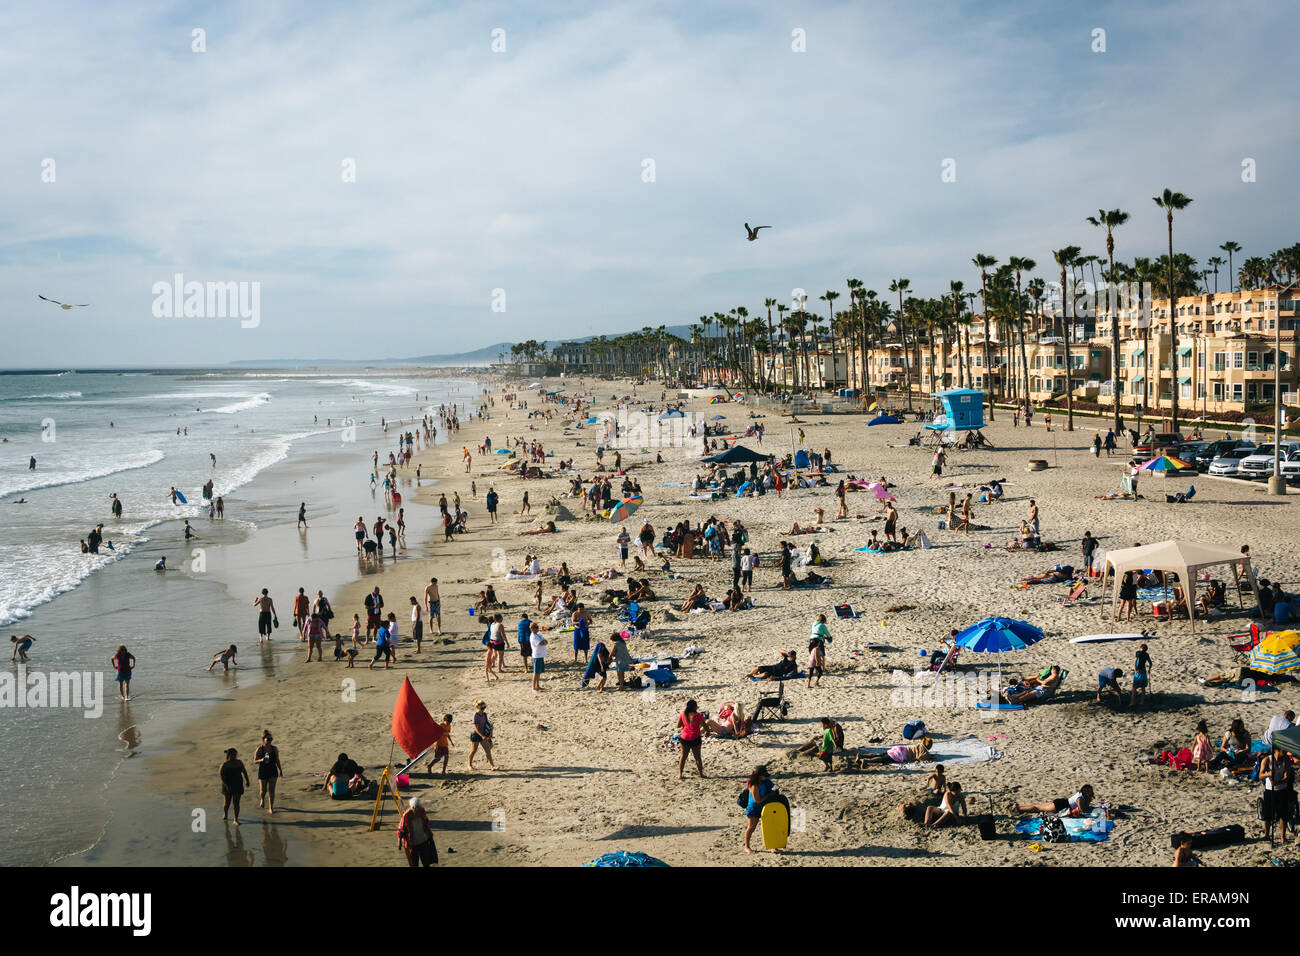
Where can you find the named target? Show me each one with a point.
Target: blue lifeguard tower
(963, 410)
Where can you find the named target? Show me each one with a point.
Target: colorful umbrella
(1165, 463)
(624, 509)
(1277, 653)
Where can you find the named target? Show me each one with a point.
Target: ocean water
(278, 438)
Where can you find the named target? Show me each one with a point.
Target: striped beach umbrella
(1277, 653)
(624, 509)
(1166, 463)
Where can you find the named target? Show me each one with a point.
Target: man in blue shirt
(1108, 677)
(383, 647)
(524, 632)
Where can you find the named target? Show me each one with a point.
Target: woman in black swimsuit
(234, 777)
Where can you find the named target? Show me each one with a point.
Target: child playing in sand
(442, 749)
(351, 654)
(21, 647)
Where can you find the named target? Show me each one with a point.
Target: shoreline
(583, 772)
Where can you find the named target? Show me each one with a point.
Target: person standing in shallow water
(124, 662)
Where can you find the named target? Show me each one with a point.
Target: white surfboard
(1102, 638)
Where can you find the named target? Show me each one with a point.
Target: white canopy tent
(1184, 558)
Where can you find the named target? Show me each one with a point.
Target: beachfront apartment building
(1233, 347)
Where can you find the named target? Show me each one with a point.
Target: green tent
(1288, 740)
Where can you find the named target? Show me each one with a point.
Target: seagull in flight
(63, 305)
(753, 233)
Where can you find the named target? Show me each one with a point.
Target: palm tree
(1110, 220)
(783, 324)
(1214, 262)
(771, 346)
(900, 286)
(956, 287)
(1066, 258)
(1230, 247)
(858, 332)
(1170, 201)
(829, 297)
(1019, 264)
(1037, 289)
(983, 263)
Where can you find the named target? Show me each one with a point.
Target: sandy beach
(584, 773)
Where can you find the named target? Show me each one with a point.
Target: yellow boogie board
(774, 821)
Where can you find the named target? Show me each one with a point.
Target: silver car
(1290, 466)
(1226, 465)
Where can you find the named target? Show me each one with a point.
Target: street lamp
(1276, 484)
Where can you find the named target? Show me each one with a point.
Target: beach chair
(778, 704)
(1076, 593)
(1245, 643)
(631, 612)
(949, 661)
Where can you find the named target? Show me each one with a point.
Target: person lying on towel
(1058, 575)
(903, 753)
(788, 666)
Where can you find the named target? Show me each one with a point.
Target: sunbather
(786, 667)
(730, 722)
(1077, 805)
(903, 753)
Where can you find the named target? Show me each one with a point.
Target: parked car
(1226, 465)
(1148, 448)
(1188, 450)
(1291, 467)
(1259, 464)
(1217, 448)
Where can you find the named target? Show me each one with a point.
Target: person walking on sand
(690, 732)
(647, 539)
(1279, 800)
(415, 836)
(492, 499)
(937, 469)
(316, 633)
(537, 642)
(234, 777)
(817, 641)
(123, 662)
(383, 649)
(302, 514)
(581, 621)
(524, 506)
(442, 749)
(891, 523)
(267, 759)
(481, 735)
(266, 616)
(1033, 517)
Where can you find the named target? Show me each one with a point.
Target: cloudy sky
(525, 169)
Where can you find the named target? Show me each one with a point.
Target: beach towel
(625, 858)
(961, 750)
(1094, 828)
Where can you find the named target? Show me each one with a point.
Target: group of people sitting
(637, 590)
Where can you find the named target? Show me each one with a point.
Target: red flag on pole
(414, 728)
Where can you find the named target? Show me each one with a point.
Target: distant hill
(486, 355)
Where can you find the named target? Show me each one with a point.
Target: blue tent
(801, 459)
(963, 407)
(885, 420)
(672, 413)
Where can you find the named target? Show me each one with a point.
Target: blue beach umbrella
(993, 635)
(885, 420)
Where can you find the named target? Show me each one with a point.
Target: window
(1266, 391)
(1200, 389)
(1251, 394)
(1238, 359)
(1236, 391)
(1252, 359)
(1200, 359)
(1185, 391)
(1218, 391)
(1220, 361)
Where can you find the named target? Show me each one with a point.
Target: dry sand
(584, 773)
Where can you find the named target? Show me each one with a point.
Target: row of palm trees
(1011, 301)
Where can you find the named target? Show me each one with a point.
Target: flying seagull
(64, 305)
(753, 233)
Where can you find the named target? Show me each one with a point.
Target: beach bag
(1052, 830)
(742, 801)
(914, 730)
(988, 829)
(634, 681)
